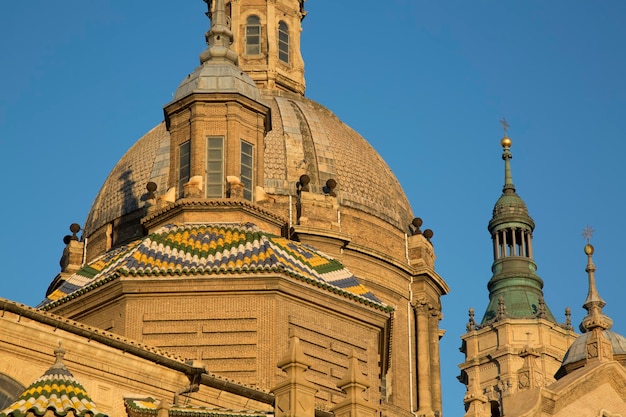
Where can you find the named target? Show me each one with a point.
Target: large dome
(305, 138)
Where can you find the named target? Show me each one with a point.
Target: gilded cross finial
(587, 233)
(505, 126)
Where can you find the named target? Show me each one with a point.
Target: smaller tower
(217, 124)
(518, 344)
(597, 342)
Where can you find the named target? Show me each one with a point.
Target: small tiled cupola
(55, 394)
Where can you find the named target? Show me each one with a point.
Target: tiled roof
(56, 390)
(192, 249)
(149, 407)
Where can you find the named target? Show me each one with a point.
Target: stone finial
(150, 203)
(59, 354)
(329, 188)
(354, 379)
(295, 395)
(528, 376)
(475, 400)
(58, 367)
(541, 309)
(598, 347)
(568, 319)
(506, 143)
(354, 385)
(502, 314)
(72, 257)
(416, 223)
(295, 355)
(593, 304)
(471, 324)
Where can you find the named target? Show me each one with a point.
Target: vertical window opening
(184, 166)
(495, 409)
(253, 35)
(215, 167)
(247, 169)
(283, 42)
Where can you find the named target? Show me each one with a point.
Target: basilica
(252, 255)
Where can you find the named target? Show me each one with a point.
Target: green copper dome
(510, 207)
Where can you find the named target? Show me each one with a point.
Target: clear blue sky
(426, 82)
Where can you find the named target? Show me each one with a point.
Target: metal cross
(587, 233)
(505, 126)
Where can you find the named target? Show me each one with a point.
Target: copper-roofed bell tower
(518, 344)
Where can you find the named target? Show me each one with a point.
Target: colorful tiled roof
(192, 249)
(147, 407)
(56, 390)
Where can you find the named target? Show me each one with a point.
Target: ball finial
(589, 249)
(506, 142)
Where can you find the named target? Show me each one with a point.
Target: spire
(515, 289)
(219, 37)
(593, 304)
(508, 188)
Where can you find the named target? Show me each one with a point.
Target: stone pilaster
(295, 396)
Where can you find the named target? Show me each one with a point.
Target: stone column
(425, 409)
(435, 366)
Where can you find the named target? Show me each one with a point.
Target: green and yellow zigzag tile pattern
(191, 249)
(57, 390)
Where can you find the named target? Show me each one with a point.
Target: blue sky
(425, 82)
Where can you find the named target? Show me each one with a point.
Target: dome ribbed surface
(509, 205)
(578, 350)
(125, 187)
(306, 138)
(303, 130)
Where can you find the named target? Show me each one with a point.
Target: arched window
(283, 42)
(10, 389)
(253, 35)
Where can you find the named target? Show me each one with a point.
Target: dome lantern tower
(217, 124)
(514, 283)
